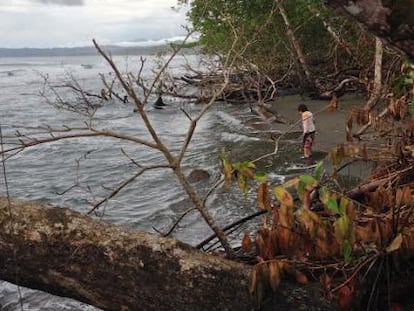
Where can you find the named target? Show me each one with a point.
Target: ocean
(79, 172)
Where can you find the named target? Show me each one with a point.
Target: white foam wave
(233, 137)
(228, 120)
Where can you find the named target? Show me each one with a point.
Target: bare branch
(124, 184)
(91, 132)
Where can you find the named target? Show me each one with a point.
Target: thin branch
(175, 223)
(230, 226)
(124, 184)
(94, 133)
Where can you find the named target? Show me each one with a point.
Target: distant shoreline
(88, 51)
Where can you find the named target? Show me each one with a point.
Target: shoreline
(330, 126)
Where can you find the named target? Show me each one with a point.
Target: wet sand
(330, 129)
(330, 126)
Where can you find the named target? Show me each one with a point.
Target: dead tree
(70, 254)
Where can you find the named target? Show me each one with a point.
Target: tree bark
(300, 56)
(65, 253)
(68, 254)
(392, 21)
(376, 92)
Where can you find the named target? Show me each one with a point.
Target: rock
(159, 103)
(198, 175)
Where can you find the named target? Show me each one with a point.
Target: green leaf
(324, 194)
(260, 176)
(347, 251)
(342, 206)
(342, 229)
(249, 164)
(244, 187)
(332, 205)
(223, 154)
(319, 171)
(408, 81)
(308, 180)
(301, 188)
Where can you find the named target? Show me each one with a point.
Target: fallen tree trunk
(68, 254)
(65, 253)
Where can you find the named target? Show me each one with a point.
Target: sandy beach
(330, 126)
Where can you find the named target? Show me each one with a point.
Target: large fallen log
(68, 254)
(65, 253)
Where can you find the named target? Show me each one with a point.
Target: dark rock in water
(159, 103)
(198, 175)
(87, 66)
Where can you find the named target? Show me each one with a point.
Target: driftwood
(69, 254)
(65, 253)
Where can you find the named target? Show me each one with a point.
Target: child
(308, 132)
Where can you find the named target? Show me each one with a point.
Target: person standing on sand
(308, 132)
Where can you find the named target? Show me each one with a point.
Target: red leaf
(345, 297)
(301, 278)
(260, 245)
(246, 243)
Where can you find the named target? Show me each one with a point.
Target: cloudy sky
(68, 23)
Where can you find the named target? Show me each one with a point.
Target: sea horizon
(122, 48)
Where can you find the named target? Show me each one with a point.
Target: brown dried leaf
(286, 216)
(408, 198)
(253, 281)
(284, 239)
(275, 274)
(301, 278)
(228, 174)
(310, 221)
(275, 219)
(270, 249)
(260, 245)
(323, 244)
(345, 297)
(398, 197)
(291, 183)
(284, 197)
(326, 281)
(246, 243)
(395, 244)
(306, 199)
(263, 197)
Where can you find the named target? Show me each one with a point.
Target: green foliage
(319, 171)
(257, 34)
(347, 251)
(405, 83)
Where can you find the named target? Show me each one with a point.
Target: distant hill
(82, 51)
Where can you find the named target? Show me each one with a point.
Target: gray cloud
(63, 2)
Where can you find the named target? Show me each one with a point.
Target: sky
(70, 23)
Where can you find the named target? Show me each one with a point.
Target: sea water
(79, 172)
